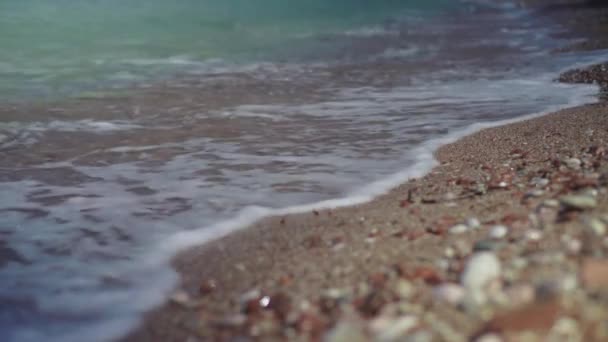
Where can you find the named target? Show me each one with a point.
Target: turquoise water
(62, 47)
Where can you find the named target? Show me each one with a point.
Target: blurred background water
(60, 47)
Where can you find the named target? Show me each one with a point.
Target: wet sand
(506, 240)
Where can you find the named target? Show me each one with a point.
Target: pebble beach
(505, 240)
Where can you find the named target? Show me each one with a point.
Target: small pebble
(459, 229)
(253, 294)
(346, 331)
(565, 329)
(520, 294)
(579, 202)
(449, 292)
(443, 264)
(180, 297)
(183, 299)
(591, 192)
(449, 252)
(533, 235)
(489, 338)
(473, 223)
(396, 329)
(551, 203)
(573, 163)
(498, 232)
(481, 269)
(597, 226)
(207, 287)
(535, 193)
(540, 182)
(568, 283)
(481, 189)
(519, 263)
(404, 289)
(573, 245)
(485, 245)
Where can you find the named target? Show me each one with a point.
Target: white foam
(424, 161)
(372, 31)
(392, 53)
(86, 125)
(173, 60)
(27, 133)
(149, 275)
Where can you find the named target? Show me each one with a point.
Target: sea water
(130, 130)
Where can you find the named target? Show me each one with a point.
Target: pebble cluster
(540, 276)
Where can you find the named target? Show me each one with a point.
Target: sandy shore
(363, 270)
(505, 240)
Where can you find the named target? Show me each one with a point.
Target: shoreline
(127, 178)
(275, 279)
(227, 263)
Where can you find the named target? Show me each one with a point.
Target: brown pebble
(207, 287)
(414, 235)
(285, 280)
(280, 305)
(442, 225)
(313, 241)
(538, 316)
(371, 304)
(594, 273)
(378, 279)
(311, 324)
(427, 274)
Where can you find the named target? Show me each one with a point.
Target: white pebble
(540, 182)
(489, 338)
(535, 193)
(473, 223)
(449, 252)
(396, 329)
(573, 163)
(597, 226)
(551, 203)
(572, 245)
(443, 264)
(534, 235)
(569, 283)
(449, 292)
(581, 202)
(458, 229)
(498, 232)
(481, 269)
(346, 331)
